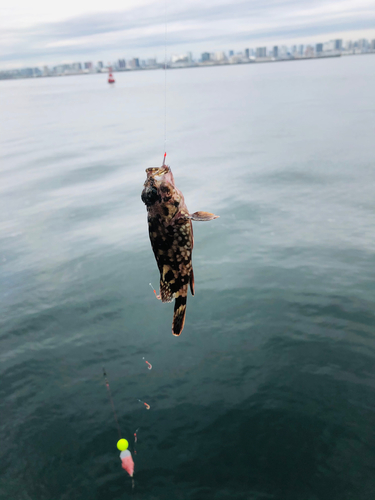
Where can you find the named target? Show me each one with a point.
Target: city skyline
(331, 48)
(39, 34)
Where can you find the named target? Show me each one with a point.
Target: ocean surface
(269, 393)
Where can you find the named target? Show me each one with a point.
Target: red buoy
(110, 76)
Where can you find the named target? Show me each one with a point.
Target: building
(319, 48)
(134, 63)
(206, 56)
(63, 69)
(373, 44)
(151, 62)
(338, 44)
(77, 66)
(121, 64)
(27, 72)
(88, 65)
(328, 46)
(247, 53)
(309, 51)
(333, 46)
(261, 52)
(363, 45)
(100, 65)
(231, 53)
(275, 52)
(283, 52)
(220, 56)
(300, 50)
(180, 58)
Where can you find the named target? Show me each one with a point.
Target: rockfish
(171, 235)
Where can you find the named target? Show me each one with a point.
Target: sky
(40, 32)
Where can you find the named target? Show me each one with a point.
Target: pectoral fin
(202, 216)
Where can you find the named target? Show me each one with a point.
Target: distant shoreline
(191, 65)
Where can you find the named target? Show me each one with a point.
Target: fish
(171, 234)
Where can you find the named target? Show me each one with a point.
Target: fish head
(160, 175)
(160, 186)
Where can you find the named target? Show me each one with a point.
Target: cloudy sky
(38, 32)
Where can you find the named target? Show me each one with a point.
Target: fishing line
(101, 354)
(165, 81)
(135, 440)
(111, 400)
(105, 376)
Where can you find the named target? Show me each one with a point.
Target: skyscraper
(261, 52)
(220, 56)
(247, 53)
(206, 56)
(363, 44)
(275, 52)
(134, 63)
(338, 44)
(319, 48)
(309, 52)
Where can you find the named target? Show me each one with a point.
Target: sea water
(269, 393)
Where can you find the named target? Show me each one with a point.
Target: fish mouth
(156, 171)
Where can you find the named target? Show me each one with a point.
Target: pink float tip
(128, 465)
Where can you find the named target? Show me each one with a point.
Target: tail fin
(179, 311)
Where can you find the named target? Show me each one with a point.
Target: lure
(146, 405)
(156, 295)
(149, 364)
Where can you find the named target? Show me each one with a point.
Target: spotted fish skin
(171, 234)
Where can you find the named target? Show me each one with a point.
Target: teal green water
(269, 392)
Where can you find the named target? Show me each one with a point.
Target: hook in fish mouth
(156, 171)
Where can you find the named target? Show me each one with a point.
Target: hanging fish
(171, 235)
